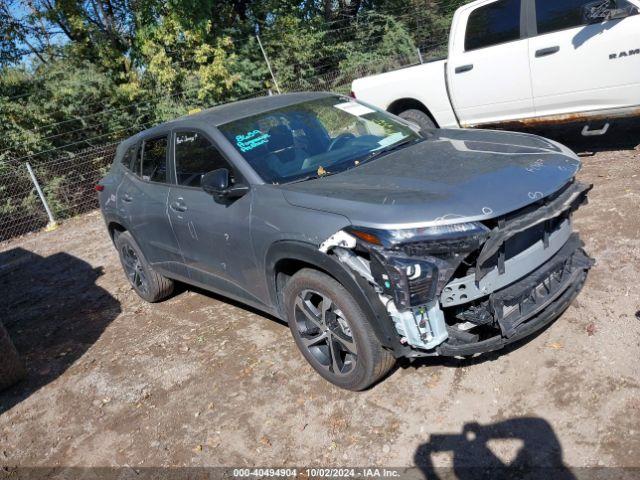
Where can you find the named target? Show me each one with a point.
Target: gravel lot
(201, 381)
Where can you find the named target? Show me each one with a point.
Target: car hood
(453, 176)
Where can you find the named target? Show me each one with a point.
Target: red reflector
(99, 188)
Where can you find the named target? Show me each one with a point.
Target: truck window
(555, 15)
(496, 23)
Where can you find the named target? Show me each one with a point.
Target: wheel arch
(115, 228)
(402, 104)
(286, 258)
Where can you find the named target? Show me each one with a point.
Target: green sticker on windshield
(251, 140)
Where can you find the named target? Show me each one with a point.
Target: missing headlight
(409, 282)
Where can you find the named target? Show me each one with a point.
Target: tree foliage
(79, 73)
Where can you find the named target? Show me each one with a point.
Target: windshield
(315, 138)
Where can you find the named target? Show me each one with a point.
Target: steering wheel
(343, 137)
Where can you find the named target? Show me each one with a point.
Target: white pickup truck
(521, 64)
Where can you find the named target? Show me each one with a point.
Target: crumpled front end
(473, 287)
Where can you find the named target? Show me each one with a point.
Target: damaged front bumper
(472, 288)
(525, 306)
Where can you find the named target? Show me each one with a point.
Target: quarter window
(496, 23)
(195, 156)
(129, 156)
(555, 15)
(137, 160)
(154, 160)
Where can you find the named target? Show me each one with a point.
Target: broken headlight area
(409, 268)
(413, 265)
(426, 240)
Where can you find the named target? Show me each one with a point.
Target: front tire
(418, 117)
(148, 284)
(332, 332)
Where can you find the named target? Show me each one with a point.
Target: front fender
(362, 292)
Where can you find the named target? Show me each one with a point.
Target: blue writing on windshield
(251, 140)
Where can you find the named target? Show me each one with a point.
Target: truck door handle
(178, 205)
(127, 198)
(464, 68)
(547, 51)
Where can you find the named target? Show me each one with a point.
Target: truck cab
(524, 63)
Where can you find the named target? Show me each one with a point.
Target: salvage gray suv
(372, 239)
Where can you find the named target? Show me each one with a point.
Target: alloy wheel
(133, 269)
(325, 332)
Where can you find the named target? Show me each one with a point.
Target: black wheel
(151, 286)
(418, 117)
(11, 367)
(332, 333)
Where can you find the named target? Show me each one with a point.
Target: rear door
(577, 67)
(142, 200)
(488, 69)
(214, 236)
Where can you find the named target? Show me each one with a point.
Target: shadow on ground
(54, 313)
(524, 447)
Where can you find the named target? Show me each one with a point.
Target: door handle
(178, 205)
(464, 68)
(547, 51)
(127, 198)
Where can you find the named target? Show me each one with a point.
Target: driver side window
(195, 155)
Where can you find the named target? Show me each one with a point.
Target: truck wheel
(11, 367)
(148, 284)
(332, 332)
(419, 118)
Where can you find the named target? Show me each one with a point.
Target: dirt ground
(201, 381)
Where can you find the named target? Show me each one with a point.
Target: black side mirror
(217, 183)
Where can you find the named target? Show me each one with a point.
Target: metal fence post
(52, 225)
(266, 59)
(419, 55)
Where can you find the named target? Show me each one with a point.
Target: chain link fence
(67, 179)
(67, 183)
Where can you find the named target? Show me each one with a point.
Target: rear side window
(129, 157)
(496, 23)
(137, 160)
(555, 15)
(195, 156)
(154, 159)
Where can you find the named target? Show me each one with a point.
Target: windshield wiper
(313, 176)
(360, 161)
(390, 148)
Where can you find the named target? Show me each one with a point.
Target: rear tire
(332, 332)
(148, 284)
(11, 367)
(418, 117)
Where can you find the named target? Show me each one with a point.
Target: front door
(577, 67)
(488, 70)
(214, 236)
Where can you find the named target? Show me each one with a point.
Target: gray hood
(454, 176)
